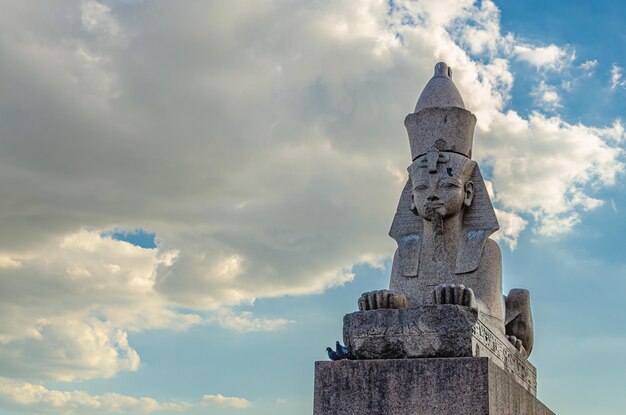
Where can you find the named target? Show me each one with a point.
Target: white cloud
(226, 401)
(6, 261)
(553, 224)
(69, 305)
(34, 398)
(589, 65)
(511, 226)
(567, 85)
(545, 165)
(263, 144)
(96, 17)
(616, 77)
(551, 57)
(546, 96)
(66, 350)
(247, 322)
(484, 34)
(70, 309)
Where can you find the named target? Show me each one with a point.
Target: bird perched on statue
(332, 355)
(340, 352)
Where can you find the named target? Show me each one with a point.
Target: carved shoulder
(492, 246)
(491, 260)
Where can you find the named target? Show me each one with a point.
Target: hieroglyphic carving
(434, 331)
(505, 356)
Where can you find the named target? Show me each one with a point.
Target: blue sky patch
(137, 237)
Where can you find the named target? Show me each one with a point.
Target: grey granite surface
(440, 91)
(434, 331)
(437, 386)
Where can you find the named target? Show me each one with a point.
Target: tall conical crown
(440, 91)
(440, 120)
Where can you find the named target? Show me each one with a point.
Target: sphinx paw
(374, 300)
(518, 344)
(515, 342)
(453, 294)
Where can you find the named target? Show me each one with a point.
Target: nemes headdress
(441, 125)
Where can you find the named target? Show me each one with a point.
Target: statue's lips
(436, 205)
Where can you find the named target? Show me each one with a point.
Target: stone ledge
(434, 331)
(429, 386)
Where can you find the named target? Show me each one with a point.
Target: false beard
(436, 219)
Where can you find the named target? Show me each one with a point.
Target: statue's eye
(420, 188)
(449, 185)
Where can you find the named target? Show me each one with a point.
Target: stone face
(439, 386)
(434, 331)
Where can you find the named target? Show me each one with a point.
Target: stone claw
(517, 343)
(453, 294)
(374, 300)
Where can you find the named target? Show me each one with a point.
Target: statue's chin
(438, 215)
(435, 214)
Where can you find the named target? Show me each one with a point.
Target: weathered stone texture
(427, 331)
(439, 386)
(434, 331)
(440, 91)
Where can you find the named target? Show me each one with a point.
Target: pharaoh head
(441, 184)
(444, 182)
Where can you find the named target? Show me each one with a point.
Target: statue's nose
(432, 197)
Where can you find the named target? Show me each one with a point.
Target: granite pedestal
(435, 331)
(427, 386)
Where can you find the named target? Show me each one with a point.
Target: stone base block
(434, 331)
(437, 386)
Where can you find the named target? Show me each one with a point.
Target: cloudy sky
(194, 193)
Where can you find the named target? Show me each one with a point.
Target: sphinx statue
(443, 223)
(442, 339)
